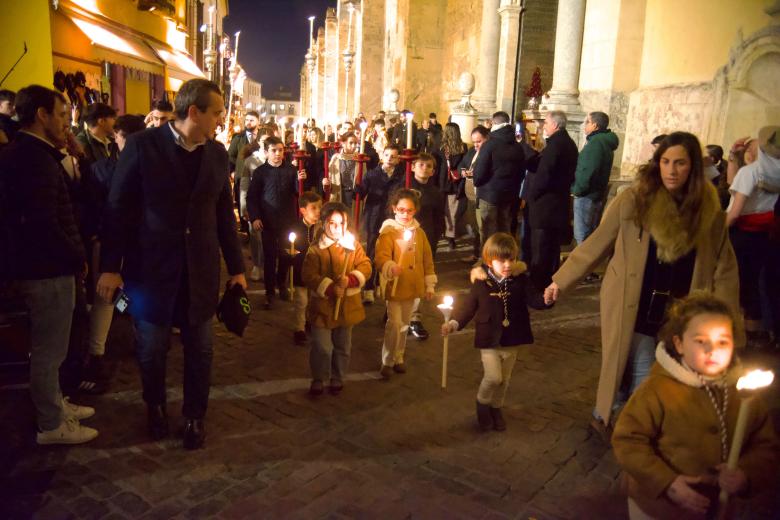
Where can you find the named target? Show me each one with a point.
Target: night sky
(274, 38)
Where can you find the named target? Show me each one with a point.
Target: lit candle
(409, 129)
(348, 243)
(363, 127)
(446, 310)
(292, 255)
(282, 131)
(301, 133)
(407, 238)
(311, 32)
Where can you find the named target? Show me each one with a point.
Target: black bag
(234, 309)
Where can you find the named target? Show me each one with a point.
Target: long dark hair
(648, 180)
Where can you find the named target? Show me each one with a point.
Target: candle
(407, 238)
(311, 32)
(446, 309)
(409, 129)
(363, 127)
(281, 131)
(753, 380)
(301, 133)
(348, 243)
(292, 255)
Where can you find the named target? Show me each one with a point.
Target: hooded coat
(669, 427)
(415, 258)
(619, 238)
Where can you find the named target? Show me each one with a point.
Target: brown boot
(499, 424)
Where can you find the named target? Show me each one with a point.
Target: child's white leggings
(497, 364)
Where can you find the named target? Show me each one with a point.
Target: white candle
(407, 238)
(753, 380)
(409, 128)
(301, 133)
(363, 127)
(446, 310)
(282, 131)
(292, 255)
(348, 243)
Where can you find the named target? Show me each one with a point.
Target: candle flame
(409, 116)
(347, 241)
(755, 379)
(292, 236)
(301, 121)
(407, 235)
(363, 125)
(448, 300)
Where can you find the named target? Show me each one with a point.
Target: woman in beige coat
(666, 235)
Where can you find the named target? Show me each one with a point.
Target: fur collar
(687, 376)
(672, 233)
(391, 223)
(480, 272)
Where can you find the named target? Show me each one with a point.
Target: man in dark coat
(498, 173)
(8, 127)
(168, 214)
(45, 254)
(95, 139)
(550, 177)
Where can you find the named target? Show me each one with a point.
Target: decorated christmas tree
(534, 90)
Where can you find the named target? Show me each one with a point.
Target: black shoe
(158, 421)
(499, 424)
(284, 294)
(452, 244)
(484, 417)
(316, 388)
(300, 338)
(417, 330)
(194, 434)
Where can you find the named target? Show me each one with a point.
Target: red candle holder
(361, 159)
(408, 156)
(300, 156)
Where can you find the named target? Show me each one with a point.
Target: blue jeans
(587, 213)
(330, 351)
(641, 357)
(50, 302)
(152, 349)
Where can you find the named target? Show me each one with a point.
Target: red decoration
(535, 88)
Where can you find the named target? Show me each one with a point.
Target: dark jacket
(550, 177)
(305, 236)
(484, 304)
(594, 165)
(313, 165)
(163, 222)
(499, 170)
(271, 196)
(399, 135)
(430, 214)
(44, 240)
(94, 150)
(447, 185)
(375, 190)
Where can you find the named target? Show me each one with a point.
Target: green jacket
(594, 165)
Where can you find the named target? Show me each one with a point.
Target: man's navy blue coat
(154, 228)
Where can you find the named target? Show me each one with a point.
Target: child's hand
(338, 290)
(733, 481)
(326, 182)
(257, 225)
(447, 328)
(681, 493)
(429, 295)
(395, 271)
(342, 282)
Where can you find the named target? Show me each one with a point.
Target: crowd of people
(101, 211)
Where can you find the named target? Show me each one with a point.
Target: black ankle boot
(483, 417)
(194, 434)
(499, 424)
(158, 421)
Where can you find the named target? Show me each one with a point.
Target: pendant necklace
(502, 293)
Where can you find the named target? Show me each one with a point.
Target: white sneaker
(76, 411)
(368, 297)
(69, 432)
(255, 274)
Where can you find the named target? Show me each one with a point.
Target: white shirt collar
(39, 138)
(180, 139)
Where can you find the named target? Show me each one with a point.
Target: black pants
(751, 249)
(545, 255)
(371, 238)
(273, 273)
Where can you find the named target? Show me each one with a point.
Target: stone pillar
(332, 58)
(509, 13)
(464, 114)
(564, 94)
(485, 97)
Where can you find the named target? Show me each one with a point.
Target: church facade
(705, 66)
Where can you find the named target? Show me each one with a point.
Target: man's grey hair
(500, 118)
(559, 117)
(600, 119)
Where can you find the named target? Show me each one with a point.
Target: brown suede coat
(619, 237)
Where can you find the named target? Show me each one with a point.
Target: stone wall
(371, 52)
(538, 46)
(461, 47)
(422, 86)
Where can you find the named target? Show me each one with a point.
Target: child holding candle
(500, 295)
(410, 262)
(672, 438)
(305, 229)
(333, 271)
(342, 170)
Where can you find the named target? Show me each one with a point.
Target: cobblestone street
(404, 448)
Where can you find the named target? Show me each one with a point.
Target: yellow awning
(180, 65)
(111, 46)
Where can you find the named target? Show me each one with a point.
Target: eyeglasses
(405, 211)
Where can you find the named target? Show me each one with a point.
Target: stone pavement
(398, 449)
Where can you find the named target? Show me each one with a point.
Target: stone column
(509, 13)
(564, 94)
(485, 96)
(331, 92)
(464, 114)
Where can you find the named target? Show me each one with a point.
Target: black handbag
(234, 309)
